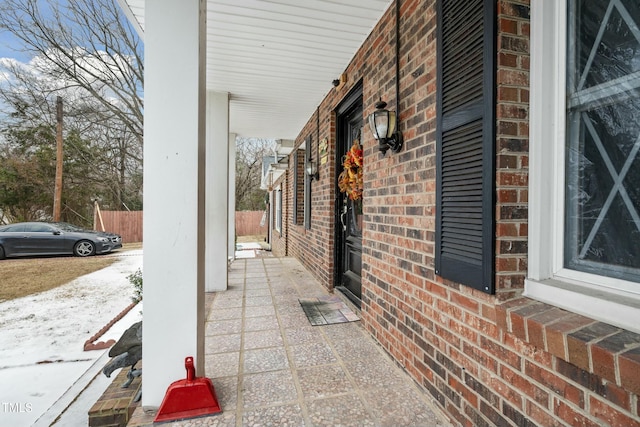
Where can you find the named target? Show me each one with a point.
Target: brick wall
(314, 247)
(512, 146)
(279, 238)
(486, 359)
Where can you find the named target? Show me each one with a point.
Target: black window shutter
(465, 142)
(296, 166)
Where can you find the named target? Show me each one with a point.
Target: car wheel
(2, 252)
(84, 248)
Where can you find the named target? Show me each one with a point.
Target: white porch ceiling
(277, 58)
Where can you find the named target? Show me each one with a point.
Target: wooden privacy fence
(250, 223)
(128, 224)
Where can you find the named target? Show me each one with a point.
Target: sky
(10, 46)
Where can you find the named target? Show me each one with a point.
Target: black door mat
(327, 310)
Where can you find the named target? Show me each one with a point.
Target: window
(278, 209)
(584, 222)
(602, 167)
(38, 228)
(465, 143)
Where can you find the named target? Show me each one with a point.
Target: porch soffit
(277, 58)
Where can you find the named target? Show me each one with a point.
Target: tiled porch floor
(270, 367)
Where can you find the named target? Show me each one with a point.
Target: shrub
(136, 280)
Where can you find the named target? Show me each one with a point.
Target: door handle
(342, 215)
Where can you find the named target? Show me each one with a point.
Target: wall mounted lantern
(312, 169)
(384, 123)
(384, 127)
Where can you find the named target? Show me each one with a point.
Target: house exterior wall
(278, 237)
(314, 246)
(497, 359)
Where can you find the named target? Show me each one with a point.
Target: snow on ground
(42, 338)
(247, 250)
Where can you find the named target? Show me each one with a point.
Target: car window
(15, 228)
(38, 228)
(68, 227)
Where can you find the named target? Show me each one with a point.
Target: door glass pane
(355, 222)
(602, 220)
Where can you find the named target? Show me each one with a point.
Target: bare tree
(249, 155)
(83, 50)
(87, 53)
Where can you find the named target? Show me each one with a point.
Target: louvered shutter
(465, 141)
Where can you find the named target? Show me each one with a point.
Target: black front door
(349, 209)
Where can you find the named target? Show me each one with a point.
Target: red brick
(603, 362)
(486, 327)
(578, 352)
(485, 360)
(507, 230)
(513, 178)
(469, 365)
(535, 334)
(469, 396)
(508, 26)
(464, 301)
(629, 365)
(542, 417)
(555, 383)
(556, 343)
(525, 386)
(506, 93)
(571, 416)
(503, 311)
(556, 333)
(508, 128)
(610, 415)
(528, 351)
(519, 317)
(513, 77)
(489, 312)
(504, 389)
(501, 353)
(617, 395)
(536, 325)
(508, 195)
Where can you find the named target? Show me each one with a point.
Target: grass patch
(27, 276)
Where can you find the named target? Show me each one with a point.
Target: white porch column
(231, 241)
(216, 227)
(174, 193)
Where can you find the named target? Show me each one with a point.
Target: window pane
(607, 45)
(603, 139)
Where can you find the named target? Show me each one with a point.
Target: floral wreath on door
(350, 181)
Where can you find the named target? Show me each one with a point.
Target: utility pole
(57, 198)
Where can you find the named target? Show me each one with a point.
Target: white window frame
(607, 299)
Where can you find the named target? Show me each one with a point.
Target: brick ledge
(606, 351)
(116, 406)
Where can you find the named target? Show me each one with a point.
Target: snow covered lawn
(42, 337)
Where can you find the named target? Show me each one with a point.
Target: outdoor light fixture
(384, 123)
(312, 170)
(384, 127)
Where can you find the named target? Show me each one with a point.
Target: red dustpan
(193, 397)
